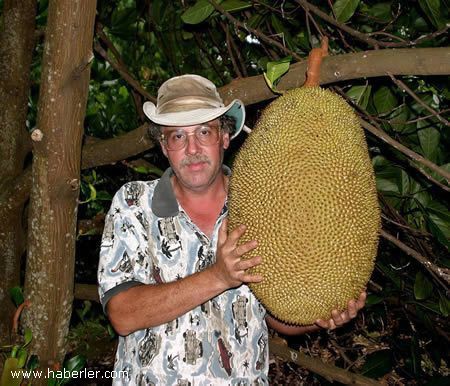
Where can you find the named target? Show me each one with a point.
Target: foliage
(407, 312)
(22, 366)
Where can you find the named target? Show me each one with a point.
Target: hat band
(187, 103)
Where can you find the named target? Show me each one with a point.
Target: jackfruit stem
(314, 62)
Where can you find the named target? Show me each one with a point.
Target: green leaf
(404, 183)
(283, 33)
(28, 337)
(148, 170)
(398, 118)
(444, 306)
(269, 83)
(432, 9)
(438, 176)
(123, 22)
(33, 362)
(344, 9)
(437, 232)
(22, 356)
(92, 194)
(199, 12)
(373, 299)
(235, 5)
(76, 363)
(377, 364)
(11, 366)
(16, 295)
(103, 195)
(423, 288)
(391, 274)
(360, 95)
(439, 210)
(429, 142)
(384, 100)
(380, 11)
(255, 20)
(277, 69)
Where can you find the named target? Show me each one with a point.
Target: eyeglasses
(177, 139)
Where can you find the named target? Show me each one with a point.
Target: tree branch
(403, 149)
(366, 64)
(229, 45)
(359, 35)
(211, 60)
(255, 32)
(405, 88)
(86, 292)
(96, 153)
(331, 373)
(375, 130)
(115, 149)
(124, 73)
(362, 36)
(443, 273)
(420, 61)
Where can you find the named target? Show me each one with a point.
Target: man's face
(196, 165)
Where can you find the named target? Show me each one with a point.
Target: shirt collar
(164, 202)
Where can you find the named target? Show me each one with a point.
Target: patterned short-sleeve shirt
(149, 239)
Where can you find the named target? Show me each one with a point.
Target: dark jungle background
(73, 78)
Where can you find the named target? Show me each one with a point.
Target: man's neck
(217, 190)
(203, 207)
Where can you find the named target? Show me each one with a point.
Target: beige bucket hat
(190, 99)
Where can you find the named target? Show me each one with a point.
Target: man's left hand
(340, 318)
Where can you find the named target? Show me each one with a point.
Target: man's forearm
(151, 305)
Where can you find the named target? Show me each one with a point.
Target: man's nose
(192, 145)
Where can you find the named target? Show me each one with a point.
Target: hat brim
(235, 109)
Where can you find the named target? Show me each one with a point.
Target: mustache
(195, 159)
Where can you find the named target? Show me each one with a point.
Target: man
(171, 278)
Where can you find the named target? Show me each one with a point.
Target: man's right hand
(229, 267)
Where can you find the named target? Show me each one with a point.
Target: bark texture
(359, 65)
(56, 173)
(16, 50)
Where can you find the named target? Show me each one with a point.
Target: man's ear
(163, 148)
(226, 140)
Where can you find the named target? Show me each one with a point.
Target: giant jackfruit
(304, 185)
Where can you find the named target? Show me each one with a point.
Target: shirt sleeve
(124, 255)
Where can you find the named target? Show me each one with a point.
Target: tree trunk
(56, 175)
(16, 50)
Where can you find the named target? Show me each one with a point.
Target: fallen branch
(331, 373)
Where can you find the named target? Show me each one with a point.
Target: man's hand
(229, 267)
(340, 318)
